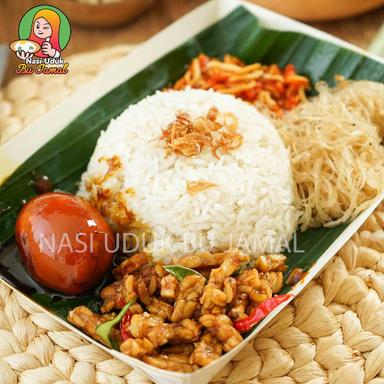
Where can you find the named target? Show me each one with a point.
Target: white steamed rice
(252, 208)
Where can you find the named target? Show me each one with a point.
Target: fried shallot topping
(216, 131)
(194, 187)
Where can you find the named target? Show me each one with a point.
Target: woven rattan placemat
(333, 333)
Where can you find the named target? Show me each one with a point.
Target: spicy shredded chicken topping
(179, 322)
(215, 130)
(267, 85)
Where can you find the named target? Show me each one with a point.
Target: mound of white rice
(252, 207)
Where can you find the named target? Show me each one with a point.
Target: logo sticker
(44, 32)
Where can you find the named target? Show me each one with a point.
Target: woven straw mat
(332, 333)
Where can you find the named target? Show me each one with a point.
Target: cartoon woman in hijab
(44, 31)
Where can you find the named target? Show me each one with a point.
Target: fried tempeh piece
(147, 283)
(177, 363)
(232, 260)
(259, 286)
(113, 297)
(213, 300)
(159, 333)
(206, 259)
(274, 279)
(117, 294)
(230, 289)
(160, 308)
(190, 290)
(143, 292)
(262, 293)
(178, 348)
(169, 287)
(83, 318)
(220, 289)
(221, 327)
(239, 306)
(137, 347)
(186, 330)
(248, 281)
(131, 264)
(273, 262)
(152, 328)
(136, 309)
(206, 350)
(203, 259)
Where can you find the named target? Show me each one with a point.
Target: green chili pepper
(104, 329)
(180, 272)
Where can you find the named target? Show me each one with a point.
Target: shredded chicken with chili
(215, 130)
(183, 323)
(276, 88)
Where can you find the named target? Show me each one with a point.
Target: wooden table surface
(358, 30)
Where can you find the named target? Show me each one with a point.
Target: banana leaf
(65, 157)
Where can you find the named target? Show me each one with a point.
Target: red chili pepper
(124, 323)
(121, 302)
(289, 70)
(261, 311)
(203, 60)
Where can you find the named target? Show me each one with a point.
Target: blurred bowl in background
(311, 10)
(101, 14)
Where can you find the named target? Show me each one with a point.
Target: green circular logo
(26, 24)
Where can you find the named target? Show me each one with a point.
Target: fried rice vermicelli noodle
(337, 156)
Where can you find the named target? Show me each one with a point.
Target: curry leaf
(242, 268)
(180, 272)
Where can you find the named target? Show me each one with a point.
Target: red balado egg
(64, 242)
